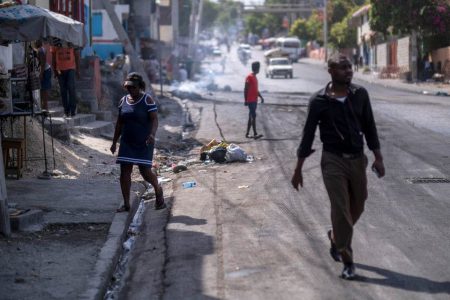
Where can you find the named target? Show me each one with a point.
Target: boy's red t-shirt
(252, 92)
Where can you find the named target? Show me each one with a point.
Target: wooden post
(5, 225)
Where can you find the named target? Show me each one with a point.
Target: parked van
(290, 45)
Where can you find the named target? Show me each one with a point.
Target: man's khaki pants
(346, 183)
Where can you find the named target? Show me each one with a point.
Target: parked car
(279, 66)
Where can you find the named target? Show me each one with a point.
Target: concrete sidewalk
(79, 246)
(426, 88)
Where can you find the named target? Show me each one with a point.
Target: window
(97, 27)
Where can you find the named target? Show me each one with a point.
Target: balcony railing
(71, 8)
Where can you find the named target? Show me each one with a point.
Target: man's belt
(348, 155)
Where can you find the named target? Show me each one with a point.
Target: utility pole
(192, 19)
(123, 37)
(198, 19)
(325, 31)
(159, 52)
(175, 32)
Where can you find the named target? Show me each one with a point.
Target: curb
(108, 257)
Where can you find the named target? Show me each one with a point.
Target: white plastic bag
(235, 153)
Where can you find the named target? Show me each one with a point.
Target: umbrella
(26, 23)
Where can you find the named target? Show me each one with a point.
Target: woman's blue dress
(136, 127)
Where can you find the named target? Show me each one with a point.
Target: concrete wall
(108, 42)
(403, 53)
(442, 55)
(381, 56)
(40, 3)
(166, 34)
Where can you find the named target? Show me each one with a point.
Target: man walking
(251, 94)
(66, 66)
(344, 115)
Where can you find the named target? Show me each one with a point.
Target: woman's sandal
(123, 208)
(159, 203)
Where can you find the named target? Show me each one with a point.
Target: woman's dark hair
(136, 78)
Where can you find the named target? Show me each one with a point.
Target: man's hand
(379, 166)
(246, 103)
(262, 100)
(113, 148)
(297, 179)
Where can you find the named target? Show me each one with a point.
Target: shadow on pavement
(403, 281)
(187, 220)
(187, 251)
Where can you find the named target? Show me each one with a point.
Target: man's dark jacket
(342, 125)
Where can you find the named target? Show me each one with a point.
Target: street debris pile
(168, 162)
(221, 152)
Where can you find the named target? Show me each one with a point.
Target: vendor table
(15, 148)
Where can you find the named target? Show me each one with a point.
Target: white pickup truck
(279, 66)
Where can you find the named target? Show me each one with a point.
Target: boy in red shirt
(66, 66)
(251, 94)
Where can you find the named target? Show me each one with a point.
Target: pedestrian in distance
(136, 126)
(66, 65)
(251, 94)
(344, 115)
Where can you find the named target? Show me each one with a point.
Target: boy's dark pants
(346, 183)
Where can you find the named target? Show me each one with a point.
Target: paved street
(244, 233)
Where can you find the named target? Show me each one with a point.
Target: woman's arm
(153, 123)
(117, 132)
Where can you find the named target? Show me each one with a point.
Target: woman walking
(136, 126)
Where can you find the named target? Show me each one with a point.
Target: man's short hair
(336, 59)
(255, 65)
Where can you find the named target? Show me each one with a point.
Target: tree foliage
(428, 17)
(228, 12)
(338, 15)
(314, 25)
(256, 23)
(342, 35)
(210, 13)
(299, 29)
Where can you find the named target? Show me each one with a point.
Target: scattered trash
(221, 152)
(208, 146)
(17, 212)
(218, 153)
(243, 187)
(164, 179)
(179, 168)
(235, 153)
(189, 184)
(19, 280)
(440, 93)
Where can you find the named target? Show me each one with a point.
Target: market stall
(19, 76)
(19, 69)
